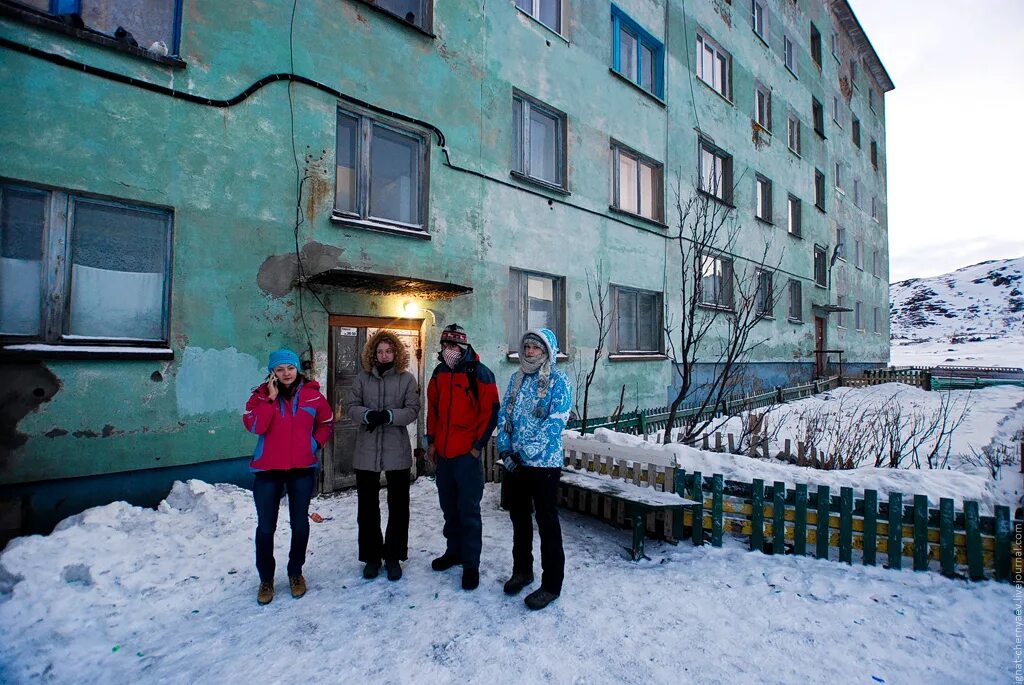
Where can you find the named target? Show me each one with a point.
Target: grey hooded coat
(387, 448)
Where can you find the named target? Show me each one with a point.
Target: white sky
(955, 129)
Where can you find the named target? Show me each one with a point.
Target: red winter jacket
(291, 432)
(458, 420)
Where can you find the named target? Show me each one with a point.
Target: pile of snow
(994, 416)
(124, 594)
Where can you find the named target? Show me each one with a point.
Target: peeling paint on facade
(233, 374)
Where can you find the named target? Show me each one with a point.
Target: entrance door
(819, 347)
(348, 335)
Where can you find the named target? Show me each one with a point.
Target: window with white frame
(838, 171)
(763, 106)
(636, 183)
(716, 282)
(78, 270)
(853, 73)
(547, 12)
(419, 13)
(763, 198)
(536, 300)
(874, 207)
(793, 133)
(855, 130)
(837, 111)
(874, 154)
(793, 218)
(819, 189)
(858, 253)
(763, 305)
(877, 318)
(835, 44)
(148, 22)
(759, 18)
(636, 54)
(841, 242)
(820, 266)
(637, 321)
(871, 99)
(796, 302)
(381, 172)
(858, 322)
(856, 192)
(788, 54)
(874, 263)
(715, 171)
(714, 66)
(841, 315)
(538, 141)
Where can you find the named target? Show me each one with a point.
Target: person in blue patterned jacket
(530, 424)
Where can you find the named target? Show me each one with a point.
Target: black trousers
(537, 488)
(460, 485)
(394, 544)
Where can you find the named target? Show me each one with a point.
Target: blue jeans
(460, 485)
(267, 490)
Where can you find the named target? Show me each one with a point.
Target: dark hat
(455, 333)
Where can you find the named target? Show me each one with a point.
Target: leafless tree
(722, 299)
(598, 293)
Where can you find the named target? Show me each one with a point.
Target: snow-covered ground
(123, 594)
(1007, 351)
(994, 416)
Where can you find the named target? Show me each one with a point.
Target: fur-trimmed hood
(370, 351)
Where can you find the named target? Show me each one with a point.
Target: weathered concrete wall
(229, 175)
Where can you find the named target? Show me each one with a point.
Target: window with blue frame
(636, 54)
(153, 25)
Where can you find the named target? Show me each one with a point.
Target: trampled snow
(124, 594)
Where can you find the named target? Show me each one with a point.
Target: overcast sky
(955, 129)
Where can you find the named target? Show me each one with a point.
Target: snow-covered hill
(978, 302)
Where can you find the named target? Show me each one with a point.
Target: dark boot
(371, 570)
(445, 561)
(515, 584)
(538, 599)
(394, 570)
(470, 578)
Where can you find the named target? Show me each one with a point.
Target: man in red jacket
(462, 412)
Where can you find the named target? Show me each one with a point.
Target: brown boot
(266, 593)
(298, 585)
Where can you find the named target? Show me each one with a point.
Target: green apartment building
(187, 185)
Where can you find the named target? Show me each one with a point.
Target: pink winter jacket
(290, 433)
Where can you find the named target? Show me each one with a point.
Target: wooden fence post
(975, 565)
(800, 521)
(778, 517)
(947, 552)
(717, 522)
(697, 493)
(920, 532)
(846, 524)
(870, 527)
(757, 517)
(1003, 536)
(821, 533)
(895, 543)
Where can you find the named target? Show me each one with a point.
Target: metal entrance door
(819, 347)
(347, 337)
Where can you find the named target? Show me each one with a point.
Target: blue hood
(550, 342)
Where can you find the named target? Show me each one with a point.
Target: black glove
(510, 460)
(377, 418)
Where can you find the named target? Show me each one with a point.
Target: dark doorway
(820, 358)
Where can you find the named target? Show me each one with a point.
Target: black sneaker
(515, 584)
(394, 570)
(538, 599)
(445, 562)
(470, 578)
(371, 570)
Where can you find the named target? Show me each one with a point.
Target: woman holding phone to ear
(293, 421)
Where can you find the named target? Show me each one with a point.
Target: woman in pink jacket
(293, 421)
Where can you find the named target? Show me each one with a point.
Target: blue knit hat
(284, 356)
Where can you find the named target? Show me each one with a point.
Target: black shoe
(470, 578)
(445, 562)
(515, 584)
(394, 570)
(538, 599)
(371, 570)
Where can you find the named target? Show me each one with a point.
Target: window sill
(48, 351)
(544, 26)
(821, 134)
(631, 215)
(343, 220)
(716, 199)
(637, 86)
(514, 357)
(792, 73)
(797, 236)
(760, 38)
(715, 307)
(795, 320)
(766, 222)
(795, 153)
(49, 23)
(820, 208)
(820, 285)
(716, 91)
(520, 176)
(637, 357)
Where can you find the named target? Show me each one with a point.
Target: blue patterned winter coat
(537, 439)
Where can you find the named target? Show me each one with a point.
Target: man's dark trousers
(460, 485)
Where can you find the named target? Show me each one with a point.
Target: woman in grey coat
(385, 400)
